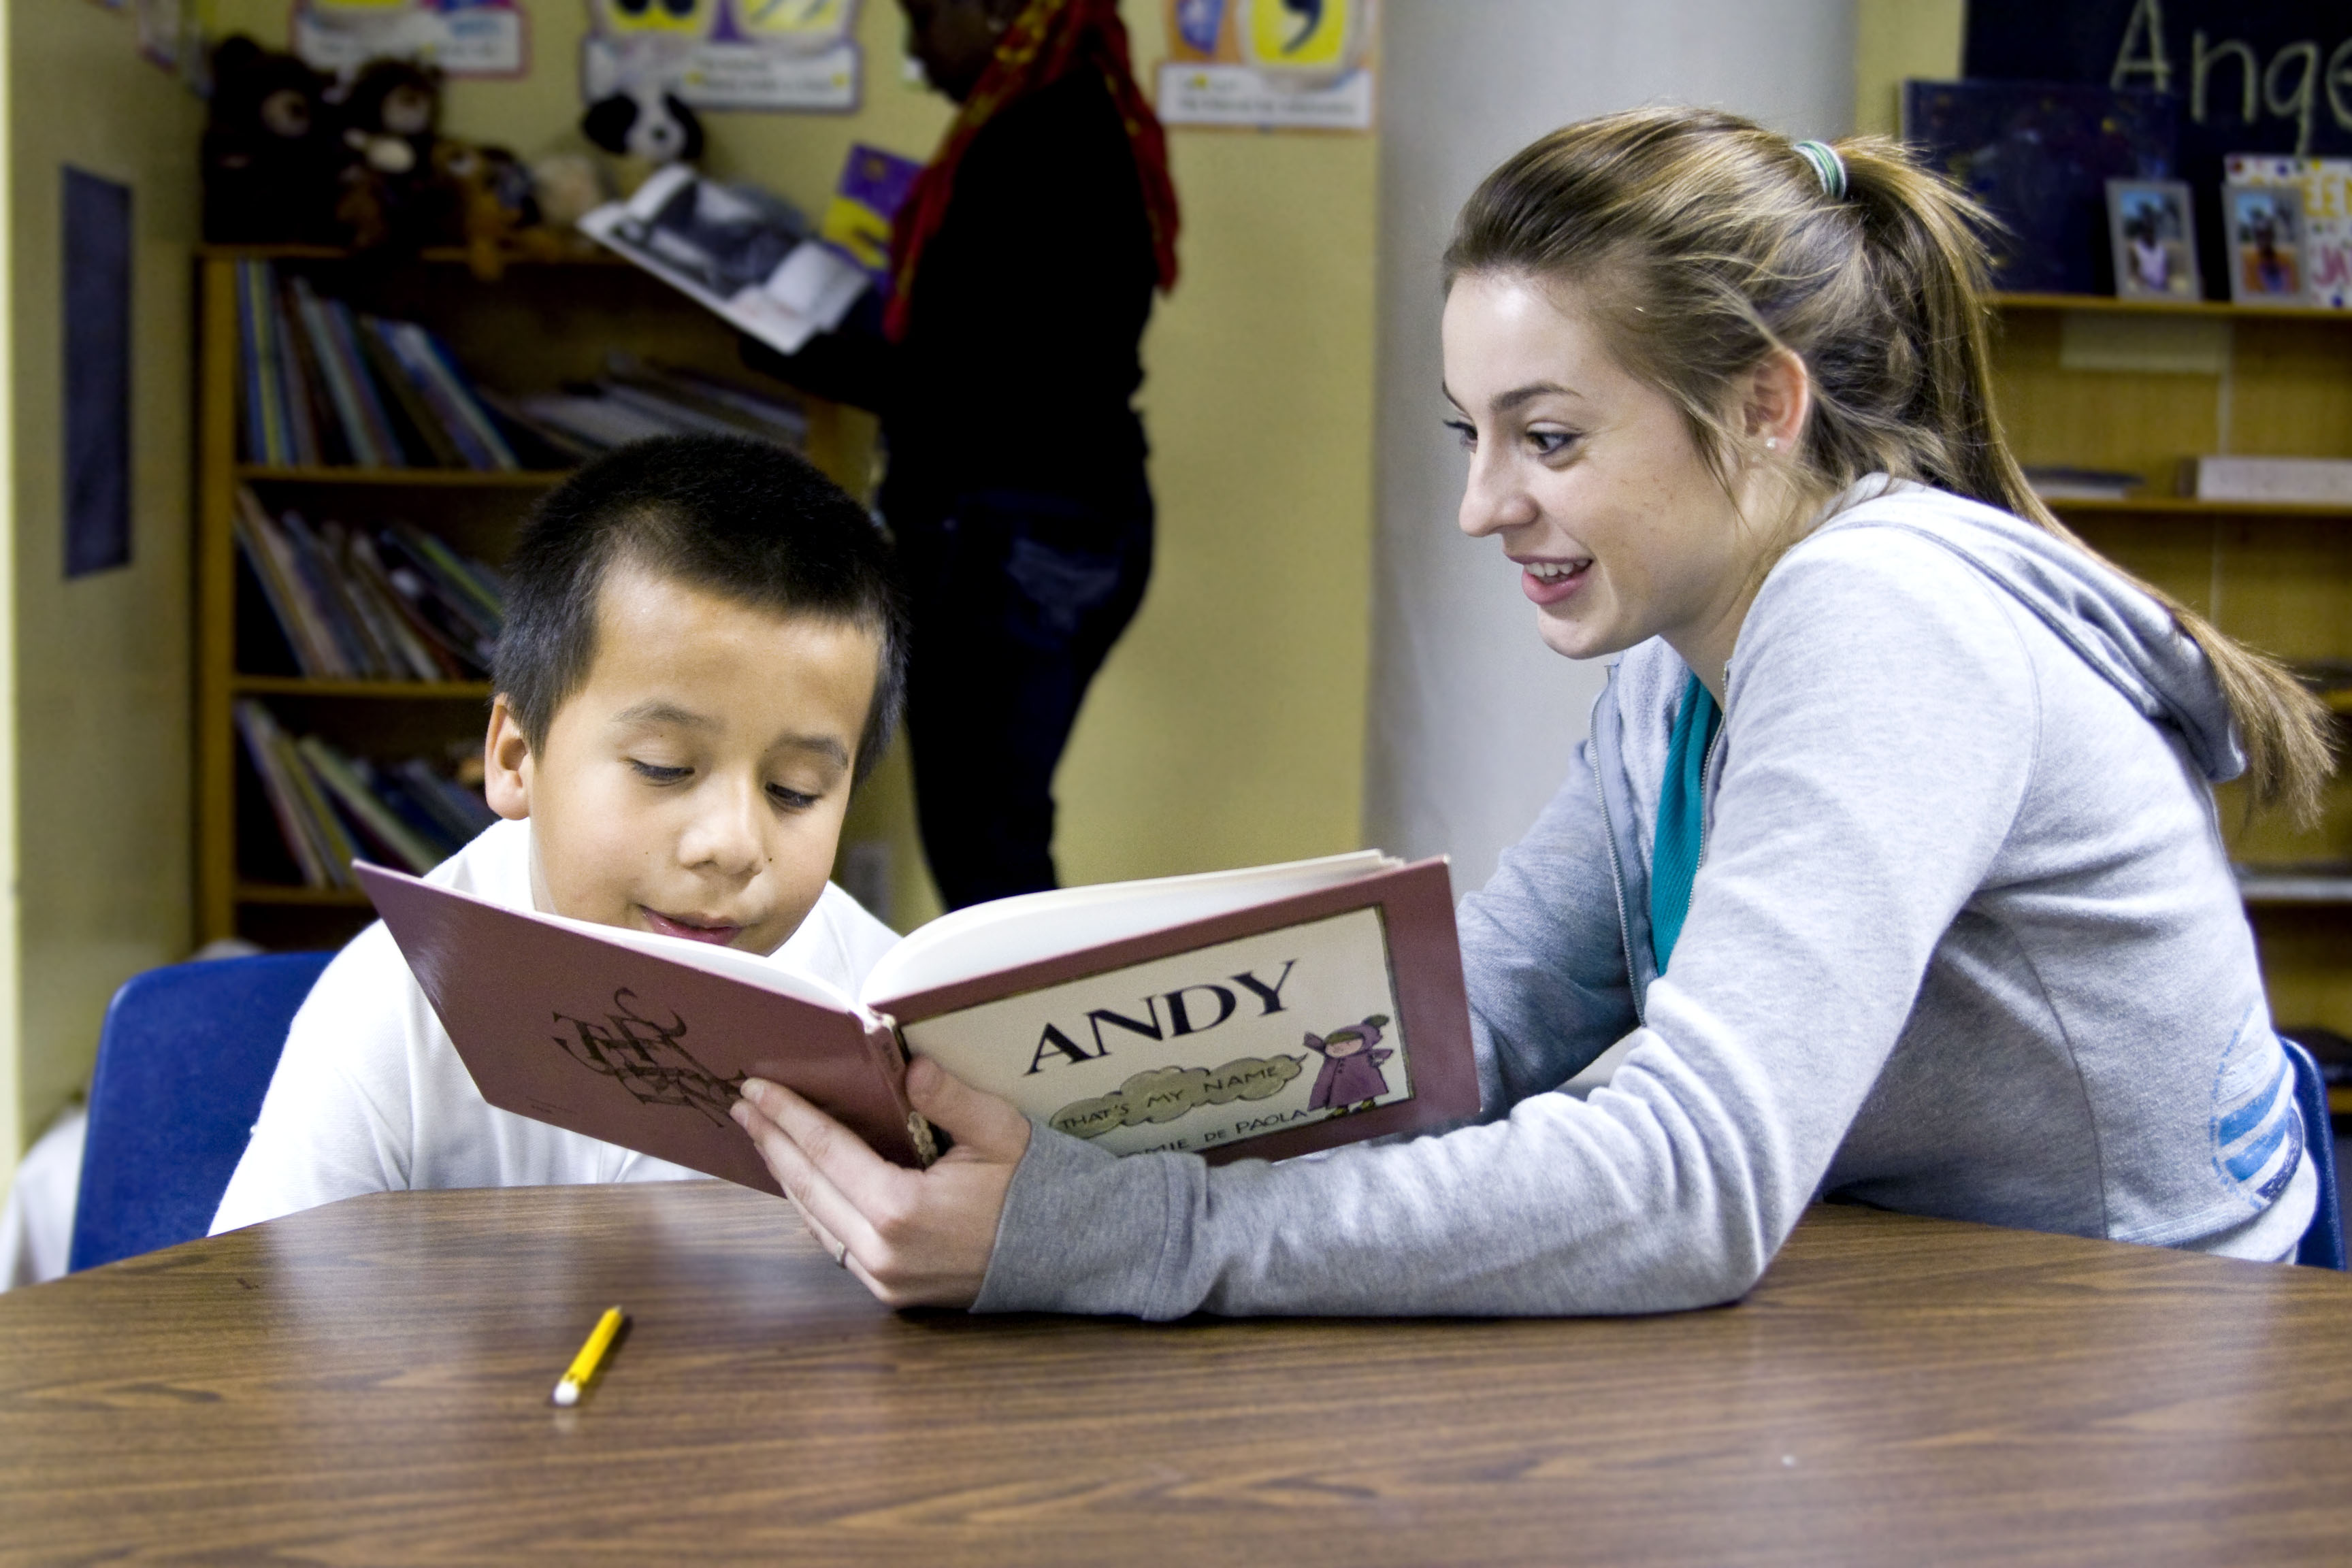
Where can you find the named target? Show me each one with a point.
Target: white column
(1473, 721)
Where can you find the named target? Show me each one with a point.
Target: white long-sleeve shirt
(370, 1095)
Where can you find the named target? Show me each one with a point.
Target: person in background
(1002, 363)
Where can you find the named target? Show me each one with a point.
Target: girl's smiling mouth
(1549, 582)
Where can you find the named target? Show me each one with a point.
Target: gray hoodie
(1963, 941)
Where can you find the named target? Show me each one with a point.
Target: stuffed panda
(272, 160)
(643, 120)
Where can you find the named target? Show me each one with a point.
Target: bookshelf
(539, 325)
(2137, 385)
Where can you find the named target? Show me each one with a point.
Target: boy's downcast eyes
(784, 795)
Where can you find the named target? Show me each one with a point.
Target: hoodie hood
(2118, 629)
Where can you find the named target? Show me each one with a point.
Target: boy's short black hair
(741, 518)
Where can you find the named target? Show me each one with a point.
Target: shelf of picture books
(2208, 449)
(372, 434)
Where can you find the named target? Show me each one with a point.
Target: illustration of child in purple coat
(1351, 1079)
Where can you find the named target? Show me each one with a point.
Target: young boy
(703, 651)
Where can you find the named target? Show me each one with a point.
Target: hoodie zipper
(1617, 886)
(1706, 767)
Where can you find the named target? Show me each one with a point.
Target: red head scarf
(1047, 42)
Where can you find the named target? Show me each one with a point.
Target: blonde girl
(1890, 870)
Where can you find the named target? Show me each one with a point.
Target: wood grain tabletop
(368, 1384)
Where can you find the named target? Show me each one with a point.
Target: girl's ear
(506, 762)
(1779, 395)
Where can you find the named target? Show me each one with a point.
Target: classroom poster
(1279, 65)
(460, 37)
(727, 54)
(96, 396)
(162, 26)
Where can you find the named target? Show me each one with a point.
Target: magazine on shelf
(732, 253)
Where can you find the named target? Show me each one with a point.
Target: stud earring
(1771, 442)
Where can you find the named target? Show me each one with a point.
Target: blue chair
(182, 1063)
(2323, 1244)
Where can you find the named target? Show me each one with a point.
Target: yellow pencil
(584, 1365)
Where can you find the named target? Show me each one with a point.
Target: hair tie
(1828, 167)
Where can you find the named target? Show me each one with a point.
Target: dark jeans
(1017, 597)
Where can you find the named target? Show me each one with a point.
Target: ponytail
(1703, 243)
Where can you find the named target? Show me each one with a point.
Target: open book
(1262, 1013)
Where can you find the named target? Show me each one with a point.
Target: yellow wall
(1896, 39)
(1228, 726)
(98, 862)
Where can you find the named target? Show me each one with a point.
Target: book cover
(2326, 187)
(256, 539)
(267, 442)
(731, 250)
(873, 186)
(358, 655)
(2307, 481)
(336, 371)
(375, 817)
(470, 585)
(336, 847)
(326, 427)
(453, 621)
(420, 426)
(2039, 155)
(428, 657)
(301, 428)
(343, 328)
(259, 731)
(1261, 1014)
(439, 368)
(293, 596)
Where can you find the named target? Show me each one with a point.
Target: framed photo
(2154, 239)
(2266, 243)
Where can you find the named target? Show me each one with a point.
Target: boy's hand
(916, 1238)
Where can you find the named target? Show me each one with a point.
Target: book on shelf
(400, 605)
(322, 384)
(1267, 1012)
(2323, 481)
(2058, 483)
(2298, 883)
(2325, 676)
(635, 399)
(332, 808)
(263, 432)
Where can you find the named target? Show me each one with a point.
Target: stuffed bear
(490, 206)
(272, 161)
(387, 118)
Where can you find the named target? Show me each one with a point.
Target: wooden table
(368, 1384)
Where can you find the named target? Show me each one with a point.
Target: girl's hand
(915, 1238)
